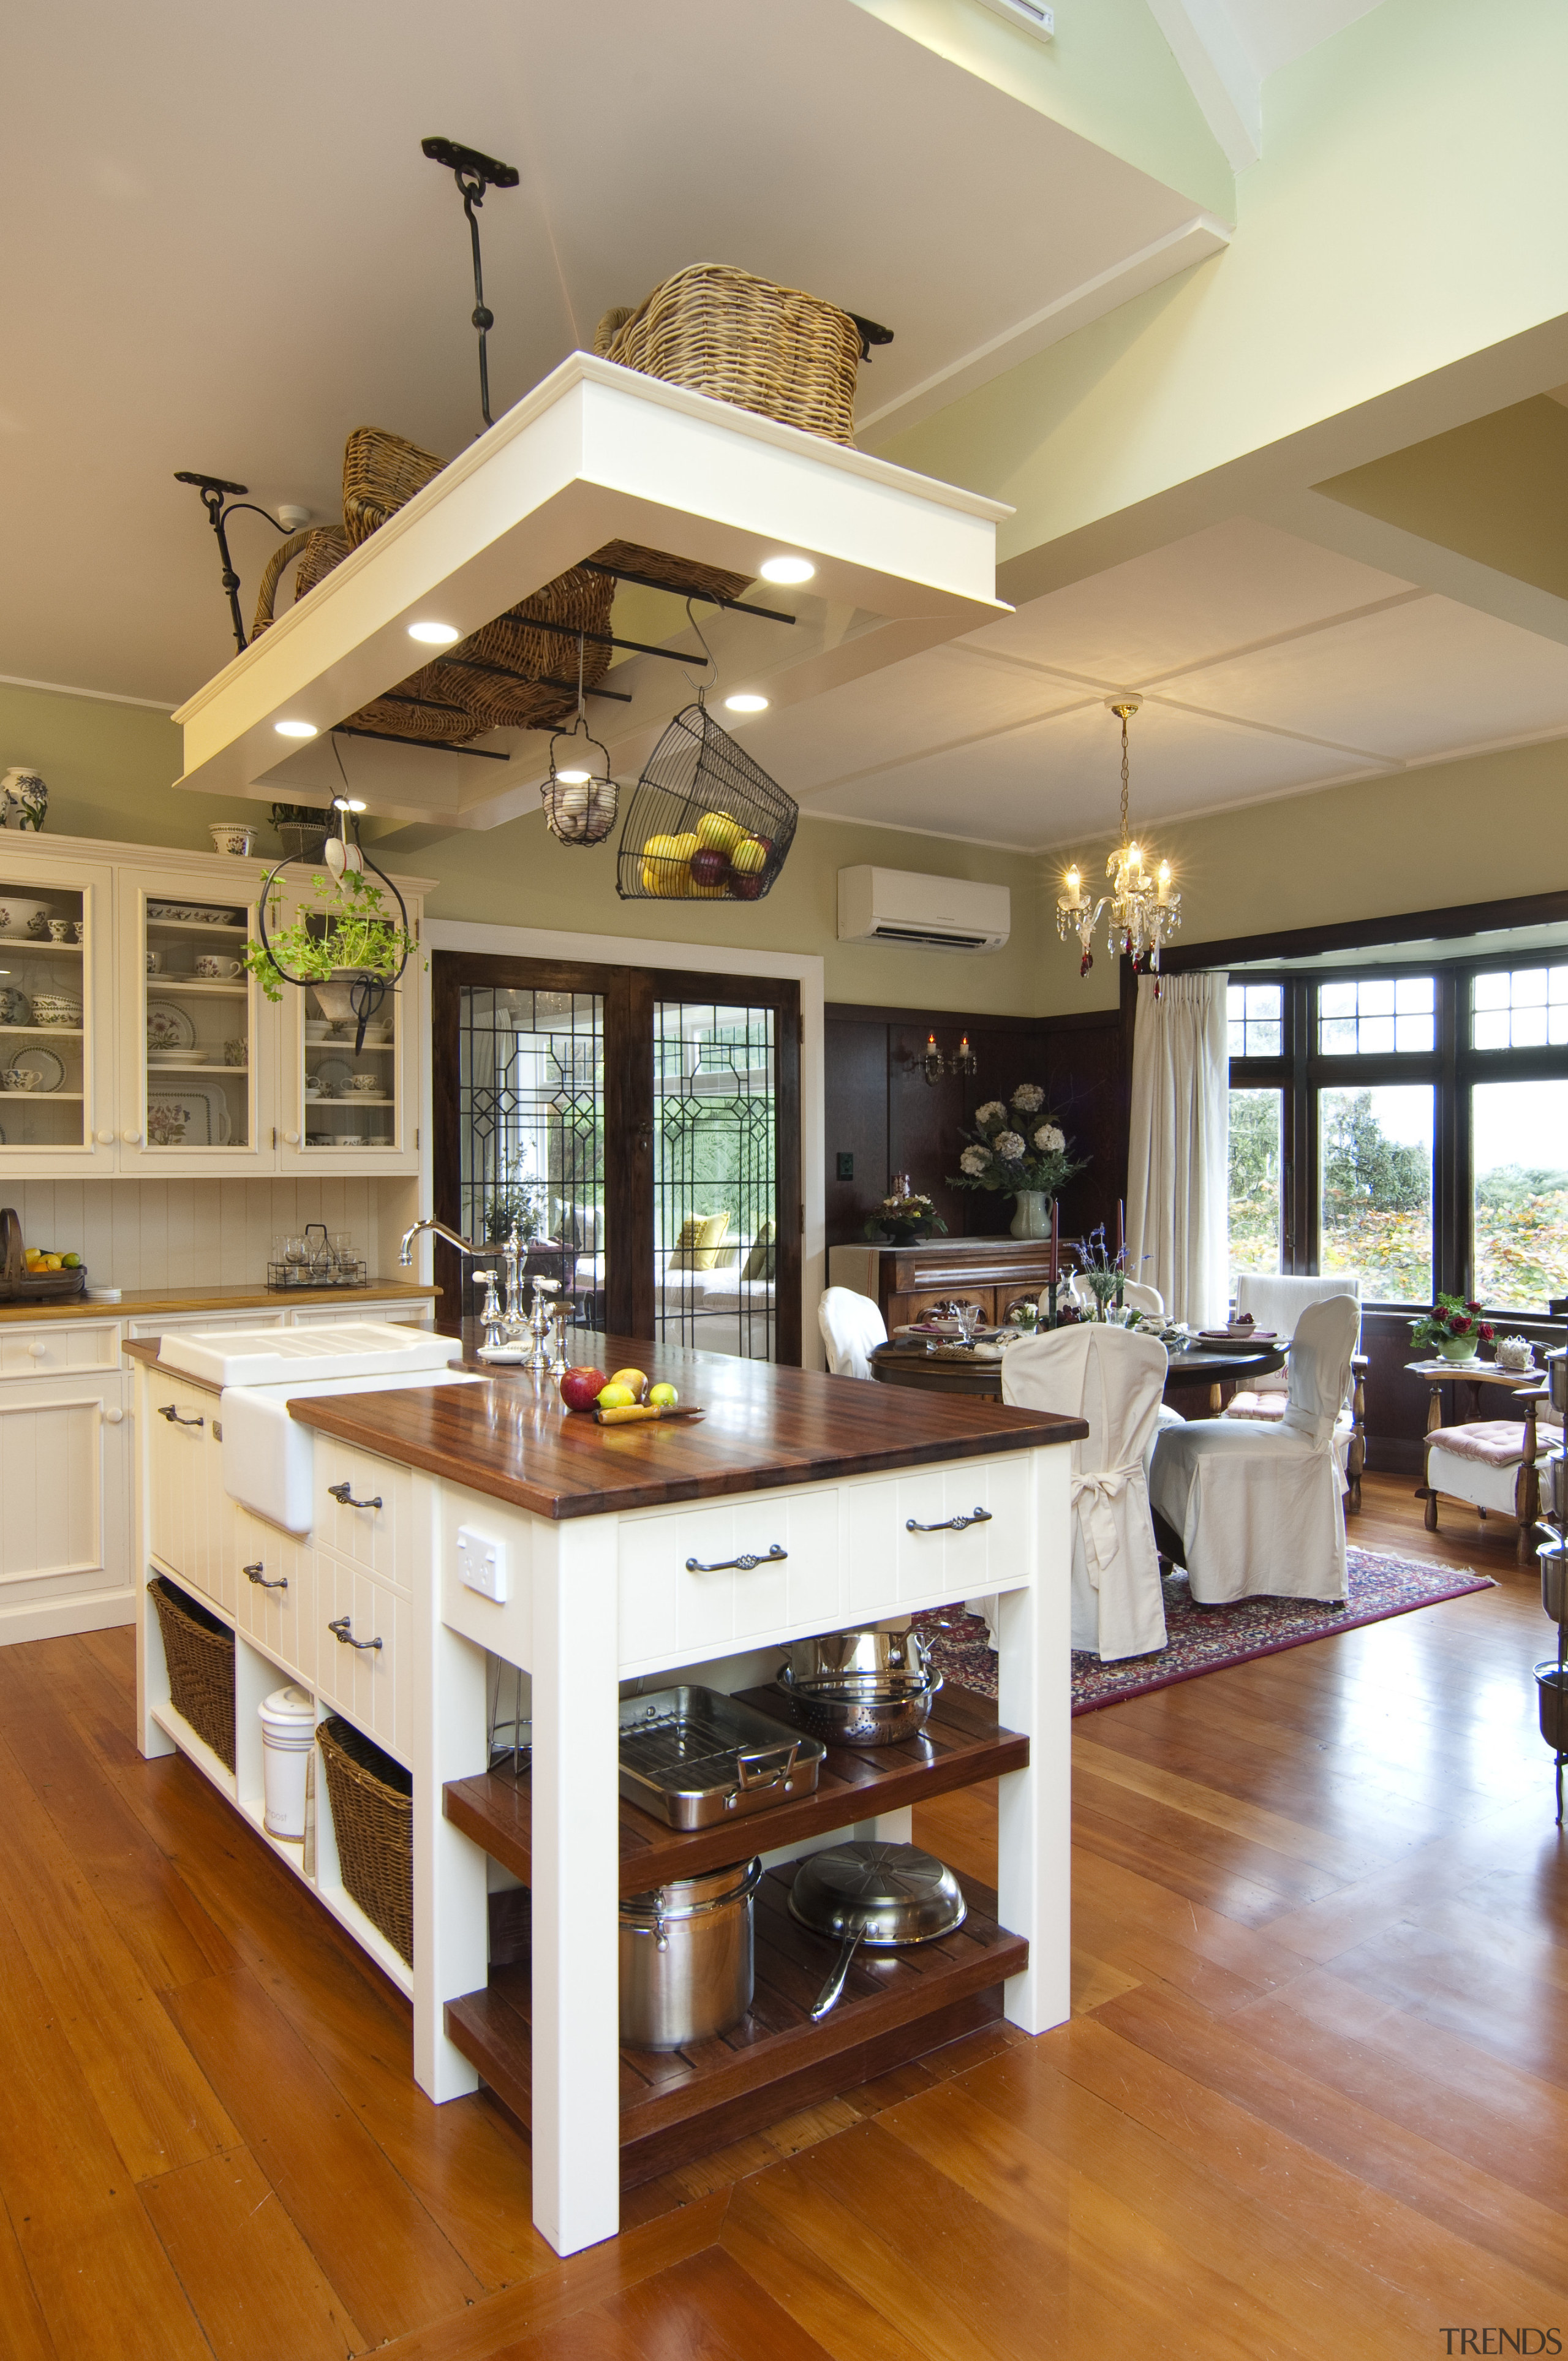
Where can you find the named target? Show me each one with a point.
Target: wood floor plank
(250, 2278)
(498, 2324)
(23, 2334)
(369, 2235)
(708, 2305)
(156, 2104)
(101, 2278)
(802, 2280)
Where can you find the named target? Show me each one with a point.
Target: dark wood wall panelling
(881, 1111)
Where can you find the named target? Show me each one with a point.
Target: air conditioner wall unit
(934, 913)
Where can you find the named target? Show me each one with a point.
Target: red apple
(709, 866)
(746, 889)
(581, 1387)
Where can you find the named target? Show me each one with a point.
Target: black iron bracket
(221, 498)
(474, 173)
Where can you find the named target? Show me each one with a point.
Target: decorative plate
(38, 1060)
(169, 1026)
(197, 1117)
(333, 1074)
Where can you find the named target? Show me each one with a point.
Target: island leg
(1035, 1807)
(577, 2060)
(451, 1901)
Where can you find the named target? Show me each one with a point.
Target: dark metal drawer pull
(723, 1565)
(344, 1637)
(345, 1492)
(950, 1524)
(257, 1573)
(167, 1410)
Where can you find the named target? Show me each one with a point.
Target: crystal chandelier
(1144, 913)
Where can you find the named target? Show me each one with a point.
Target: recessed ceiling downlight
(296, 729)
(746, 702)
(787, 569)
(435, 635)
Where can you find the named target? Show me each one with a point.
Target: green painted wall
(109, 768)
(1110, 75)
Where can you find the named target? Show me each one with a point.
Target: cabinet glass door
(200, 1029)
(350, 1093)
(46, 1016)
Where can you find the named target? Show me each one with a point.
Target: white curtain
(1178, 1169)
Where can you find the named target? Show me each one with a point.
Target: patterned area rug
(1206, 1639)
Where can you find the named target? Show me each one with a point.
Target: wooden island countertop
(764, 1427)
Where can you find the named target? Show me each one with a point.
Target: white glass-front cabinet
(349, 1107)
(133, 1041)
(56, 1009)
(195, 1085)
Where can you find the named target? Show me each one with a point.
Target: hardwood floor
(1313, 2100)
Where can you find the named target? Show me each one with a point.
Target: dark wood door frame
(629, 994)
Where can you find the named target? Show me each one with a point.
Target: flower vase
(1457, 1349)
(1031, 1214)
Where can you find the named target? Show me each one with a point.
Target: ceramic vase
(1031, 1214)
(1457, 1349)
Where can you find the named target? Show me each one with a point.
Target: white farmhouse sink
(281, 1356)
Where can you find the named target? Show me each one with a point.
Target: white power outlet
(482, 1564)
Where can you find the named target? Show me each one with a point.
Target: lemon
(663, 1397)
(615, 1397)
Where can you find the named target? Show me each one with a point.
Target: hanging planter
(350, 954)
(706, 823)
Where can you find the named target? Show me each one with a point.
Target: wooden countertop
(765, 1427)
(135, 1303)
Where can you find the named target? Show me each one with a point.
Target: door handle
(950, 1524)
(131, 1138)
(257, 1573)
(344, 1637)
(745, 1564)
(112, 1417)
(167, 1410)
(345, 1492)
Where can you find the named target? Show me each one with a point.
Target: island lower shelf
(962, 1742)
(680, 2103)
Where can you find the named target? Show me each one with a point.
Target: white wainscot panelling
(218, 1233)
(671, 1614)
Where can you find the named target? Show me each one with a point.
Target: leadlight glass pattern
(1254, 1013)
(1521, 1008)
(1377, 1017)
(531, 1125)
(716, 1160)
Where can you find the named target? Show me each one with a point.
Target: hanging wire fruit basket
(706, 823)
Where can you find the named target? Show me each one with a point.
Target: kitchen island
(476, 1526)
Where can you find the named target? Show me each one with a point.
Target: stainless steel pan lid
(879, 1894)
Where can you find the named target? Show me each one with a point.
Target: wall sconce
(933, 1065)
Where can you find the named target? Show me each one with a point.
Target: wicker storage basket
(723, 332)
(678, 573)
(381, 472)
(578, 602)
(199, 1651)
(373, 1818)
(706, 823)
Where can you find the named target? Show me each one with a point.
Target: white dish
(36, 1060)
(169, 1026)
(194, 914)
(20, 919)
(195, 1118)
(333, 1074)
(55, 1012)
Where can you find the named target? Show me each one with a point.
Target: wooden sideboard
(905, 1281)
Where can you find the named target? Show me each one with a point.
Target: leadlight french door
(643, 1126)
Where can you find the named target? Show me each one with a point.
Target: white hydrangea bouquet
(1015, 1146)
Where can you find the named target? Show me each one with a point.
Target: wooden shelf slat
(677, 2103)
(962, 1742)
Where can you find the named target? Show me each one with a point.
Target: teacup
(154, 963)
(79, 931)
(60, 931)
(209, 964)
(231, 836)
(24, 1078)
(367, 1085)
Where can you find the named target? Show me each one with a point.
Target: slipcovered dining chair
(1113, 1377)
(1258, 1506)
(851, 1325)
(1277, 1300)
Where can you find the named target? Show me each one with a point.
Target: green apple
(663, 1397)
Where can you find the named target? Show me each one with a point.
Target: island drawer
(275, 1590)
(58, 1348)
(191, 1519)
(362, 1512)
(368, 1682)
(851, 1552)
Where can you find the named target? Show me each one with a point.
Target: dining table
(951, 1368)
